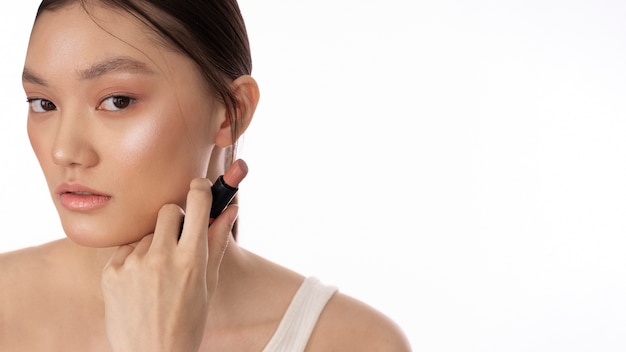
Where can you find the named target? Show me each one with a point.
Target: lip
(76, 197)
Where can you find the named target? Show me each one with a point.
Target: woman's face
(119, 123)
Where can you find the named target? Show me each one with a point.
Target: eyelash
(128, 101)
(33, 101)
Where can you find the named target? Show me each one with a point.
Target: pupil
(121, 102)
(47, 105)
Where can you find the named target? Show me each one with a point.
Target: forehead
(73, 35)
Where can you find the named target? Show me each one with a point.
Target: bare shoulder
(23, 272)
(18, 266)
(23, 278)
(25, 260)
(347, 324)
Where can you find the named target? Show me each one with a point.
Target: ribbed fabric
(294, 330)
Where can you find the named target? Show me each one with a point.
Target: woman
(134, 107)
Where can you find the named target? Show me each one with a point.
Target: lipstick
(225, 188)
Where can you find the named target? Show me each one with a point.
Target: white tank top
(294, 330)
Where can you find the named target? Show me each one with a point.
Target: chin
(102, 237)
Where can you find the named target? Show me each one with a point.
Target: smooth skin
(117, 113)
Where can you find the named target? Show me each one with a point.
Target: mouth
(80, 198)
(83, 193)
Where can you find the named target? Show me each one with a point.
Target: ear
(247, 94)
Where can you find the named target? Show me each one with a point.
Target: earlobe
(247, 94)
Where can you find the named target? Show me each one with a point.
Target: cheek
(162, 148)
(33, 137)
(146, 171)
(141, 140)
(168, 124)
(39, 142)
(146, 140)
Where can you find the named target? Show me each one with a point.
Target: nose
(73, 145)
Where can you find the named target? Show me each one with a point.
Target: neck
(93, 260)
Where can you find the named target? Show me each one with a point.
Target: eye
(40, 105)
(115, 103)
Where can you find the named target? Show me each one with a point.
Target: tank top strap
(294, 330)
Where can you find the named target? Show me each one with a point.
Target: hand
(157, 292)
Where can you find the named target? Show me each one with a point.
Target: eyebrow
(28, 76)
(118, 64)
(115, 64)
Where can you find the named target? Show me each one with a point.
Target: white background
(458, 165)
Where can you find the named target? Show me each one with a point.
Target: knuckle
(109, 276)
(201, 184)
(199, 195)
(170, 209)
(156, 262)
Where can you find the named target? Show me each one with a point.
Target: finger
(167, 227)
(194, 235)
(142, 246)
(119, 256)
(114, 266)
(219, 237)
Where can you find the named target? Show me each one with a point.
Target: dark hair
(210, 32)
